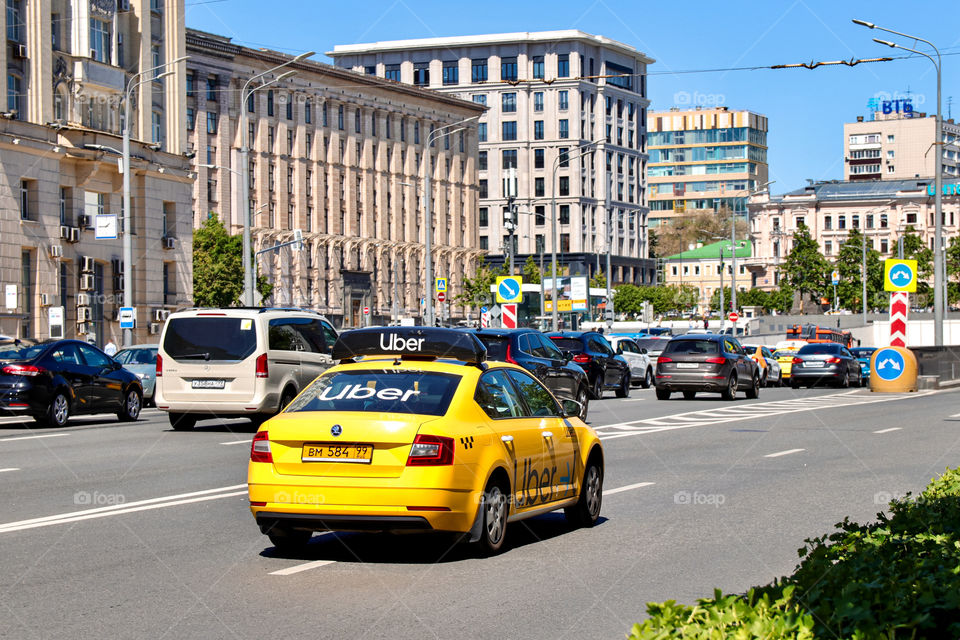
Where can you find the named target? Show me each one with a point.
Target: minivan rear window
(496, 347)
(691, 347)
(379, 390)
(210, 338)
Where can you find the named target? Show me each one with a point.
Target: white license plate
(687, 365)
(208, 384)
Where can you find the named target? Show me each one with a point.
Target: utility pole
(863, 277)
(608, 310)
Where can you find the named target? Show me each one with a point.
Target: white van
(229, 362)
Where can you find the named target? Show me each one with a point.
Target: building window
(828, 248)
(841, 222)
(538, 67)
(891, 168)
(191, 118)
(539, 215)
(191, 85)
(884, 245)
(564, 243)
(478, 70)
(451, 72)
(855, 222)
(509, 102)
(883, 221)
(481, 131)
(211, 154)
(290, 182)
(421, 74)
(289, 104)
(100, 39)
(484, 243)
(482, 188)
(564, 186)
(508, 69)
(16, 27)
(340, 117)
(482, 161)
(28, 199)
(270, 102)
(912, 217)
(392, 72)
(538, 155)
(563, 65)
(870, 221)
(827, 223)
(289, 142)
(563, 153)
(509, 159)
(308, 112)
(484, 217)
(157, 127)
(356, 121)
(564, 128)
(538, 187)
(211, 122)
(563, 100)
(212, 88)
(538, 101)
(480, 98)
(211, 190)
(15, 97)
(564, 214)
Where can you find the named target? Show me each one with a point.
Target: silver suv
(226, 363)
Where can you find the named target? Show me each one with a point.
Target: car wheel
(131, 406)
(794, 384)
(731, 391)
(587, 510)
(598, 386)
(647, 379)
(286, 399)
(780, 379)
(689, 395)
(584, 401)
(754, 391)
(58, 412)
(763, 381)
(495, 512)
(844, 381)
(182, 421)
(663, 394)
(623, 391)
(289, 540)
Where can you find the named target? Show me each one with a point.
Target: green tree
(850, 265)
(218, 266)
(653, 244)
(805, 268)
(628, 299)
(531, 272)
(476, 290)
(914, 248)
(781, 300)
(599, 280)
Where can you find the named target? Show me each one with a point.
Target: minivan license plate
(207, 384)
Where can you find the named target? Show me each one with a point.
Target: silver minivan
(226, 363)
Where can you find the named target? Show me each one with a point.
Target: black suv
(707, 362)
(534, 352)
(590, 350)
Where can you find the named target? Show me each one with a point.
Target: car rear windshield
(496, 347)
(20, 350)
(652, 344)
(863, 352)
(692, 347)
(573, 345)
(818, 348)
(379, 390)
(210, 338)
(137, 356)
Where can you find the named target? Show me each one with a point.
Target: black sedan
(709, 362)
(537, 354)
(592, 351)
(825, 361)
(53, 380)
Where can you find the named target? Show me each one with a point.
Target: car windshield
(692, 347)
(379, 391)
(137, 356)
(862, 352)
(496, 347)
(652, 344)
(20, 350)
(573, 345)
(813, 349)
(210, 338)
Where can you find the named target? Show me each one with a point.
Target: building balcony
(99, 75)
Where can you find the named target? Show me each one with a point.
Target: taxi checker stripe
(127, 507)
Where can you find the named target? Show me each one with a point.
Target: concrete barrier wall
(938, 361)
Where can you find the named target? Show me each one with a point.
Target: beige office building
(547, 94)
(342, 157)
(704, 159)
(898, 146)
(67, 63)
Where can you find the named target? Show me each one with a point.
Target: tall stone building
(67, 65)
(549, 93)
(342, 157)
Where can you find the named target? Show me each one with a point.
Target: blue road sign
(901, 275)
(483, 309)
(509, 289)
(128, 318)
(889, 364)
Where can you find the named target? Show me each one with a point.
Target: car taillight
(260, 450)
(430, 451)
(262, 371)
(22, 370)
(798, 361)
(510, 359)
(833, 360)
(159, 366)
(716, 360)
(581, 358)
(663, 359)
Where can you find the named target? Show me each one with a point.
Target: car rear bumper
(833, 371)
(258, 403)
(705, 381)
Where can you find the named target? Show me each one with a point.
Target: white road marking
(10, 469)
(238, 442)
(610, 492)
(632, 399)
(956, 415)
(48, 435)
(127, 507)
(783, 453)
(301, 567)
(889, 430)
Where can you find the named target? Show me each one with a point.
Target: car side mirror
(571, 408)
(643, 350)
(567, 356)
(116, 366)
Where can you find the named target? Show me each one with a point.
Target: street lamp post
(135, 81)
(939, 272)
(248, 267)
(583, 148)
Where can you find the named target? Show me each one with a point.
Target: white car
(641, 369)
(770, 372)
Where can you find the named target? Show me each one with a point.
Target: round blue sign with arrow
(508, 289)
(889, 364)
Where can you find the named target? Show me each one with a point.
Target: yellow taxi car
(413, 430)
(785, 358)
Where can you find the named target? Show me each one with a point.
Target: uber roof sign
(410, 341)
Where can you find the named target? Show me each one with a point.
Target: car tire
(182, 421)
(730, 392)
(586, 511)
(754, 391)
(623, 391)
(647, 379)
(663, 394)
(584, 401)
(844, 381)
(794, 384)
(286, 399)
(597, 390)
(764, 379)
(495, 510)
(780, 379)
(689, 395)
(289, 541)
(58, 413)
(132, 405)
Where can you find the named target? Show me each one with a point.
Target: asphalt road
(136, 531)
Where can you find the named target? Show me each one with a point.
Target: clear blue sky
(806, 108)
